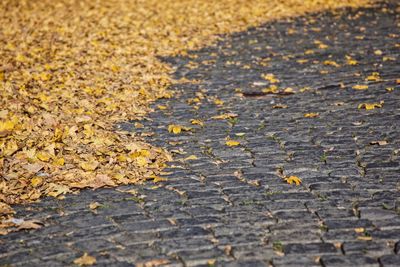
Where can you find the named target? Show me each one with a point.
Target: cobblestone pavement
(230, 206)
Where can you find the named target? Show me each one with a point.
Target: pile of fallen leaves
(71, 69)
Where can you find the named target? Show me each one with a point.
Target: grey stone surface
(229, 207)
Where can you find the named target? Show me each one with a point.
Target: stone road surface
(230, 206)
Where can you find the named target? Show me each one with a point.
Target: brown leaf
(85, 260)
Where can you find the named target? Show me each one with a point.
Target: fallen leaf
(380, 143)
(37, 180)
(191, 157)
(177, 129)
(152, 263)
(360, 87)
(89, 165)
(225, 116)
(94, 205)
(218, 102)
(293, 179)
(279, 106)
(197, 122)
(364, 238)
(311, 115)
(359, 230)
(370, 106)
(232, 143)
(85, 260)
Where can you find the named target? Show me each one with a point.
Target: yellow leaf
(57, 189)
(35, 181)
(360, 87)
(311, 115)
(59, 162)
(94, 205)
(374, 77)
(224, 116)
(10, 148)
(85, 260)
(89, 165)
(6, 127)
(288, 91)
(197, 122)
(293, 179)
(191, 157)
(161, 107)
(43, 156)
(390, 89)
(232, 143)
(218, 102)
(177, 129)
(364, 238)
(141, 161)
(359, 230)
(273, 89)
(369, 106)
(331, 63)
(270, 77)
(157, 179)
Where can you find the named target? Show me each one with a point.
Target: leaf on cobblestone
(293, 180)
(177, 129)
(370, 106)
(218, 102)
(364, 238)
(29, 224)
(270, 77)
(59, 104)
(191, 157)
(225, 116)
(360, 87)
(380, 143)
(152, 263)
(374, 77)
(359, 230)
(94, 205)
(311, 115)
(85, 260)
(197, 122)
(232, 143)
(279, 106)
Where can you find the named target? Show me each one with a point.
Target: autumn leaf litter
(71, 70)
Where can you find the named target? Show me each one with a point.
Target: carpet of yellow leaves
(70, 69)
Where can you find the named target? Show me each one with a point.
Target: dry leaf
(224, 116)
(311, 115)
(85, 260)
(369, 106)
(232, 143)
(94, 205)
(191, 157)
(360, 87)
(364, 238)
(293, 179)
(152, 263)
(380, 143)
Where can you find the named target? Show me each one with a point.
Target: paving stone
(233, 197)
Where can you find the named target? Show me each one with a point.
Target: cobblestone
(230, 207)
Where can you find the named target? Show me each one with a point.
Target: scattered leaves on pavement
(64, 84)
